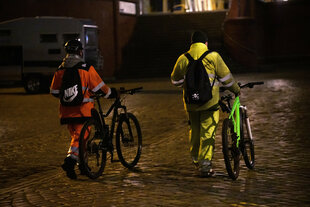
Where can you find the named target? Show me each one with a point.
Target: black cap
(73, 46)
(199, 36)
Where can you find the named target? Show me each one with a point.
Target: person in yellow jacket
(204, 118)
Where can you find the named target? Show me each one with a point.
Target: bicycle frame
(96, 138)
(235, 117)
(114, 107)
(234, 139)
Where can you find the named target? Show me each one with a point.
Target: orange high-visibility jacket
(91, 82)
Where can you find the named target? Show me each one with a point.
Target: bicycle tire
(230, 151)
(247, 144)
(92, 153)
(128, 140)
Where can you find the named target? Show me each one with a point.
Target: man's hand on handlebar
(114, 93)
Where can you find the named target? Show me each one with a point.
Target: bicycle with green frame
(236, 133)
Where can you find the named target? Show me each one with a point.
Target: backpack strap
(190, 58)
(204, 55)
(82, 65)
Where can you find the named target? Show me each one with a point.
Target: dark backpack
(198, 89)
(71, 93)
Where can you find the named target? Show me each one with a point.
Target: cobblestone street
(34, 144)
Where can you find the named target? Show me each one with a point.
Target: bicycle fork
(247, 121)
(235, 117)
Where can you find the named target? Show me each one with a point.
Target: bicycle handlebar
(247, 85)
(122, 91)
(130, 91)
(251, 84)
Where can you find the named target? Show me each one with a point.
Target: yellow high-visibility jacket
(215, 67)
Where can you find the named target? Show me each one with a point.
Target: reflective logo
(70, 93)
(195, 96)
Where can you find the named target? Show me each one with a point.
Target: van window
(48, 38)
(5, 33)
(68, 37)
(91, 37)
(5, 36)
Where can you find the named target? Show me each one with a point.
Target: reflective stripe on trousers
(203, 126)
(75, 130)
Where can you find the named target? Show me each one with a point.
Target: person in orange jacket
(75, 116)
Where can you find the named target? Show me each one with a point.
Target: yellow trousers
(202, 134)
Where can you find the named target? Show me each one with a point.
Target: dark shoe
(68, 167)
(205, 168)
(210, 173)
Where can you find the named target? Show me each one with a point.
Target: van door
(91, 51)
(11, 63)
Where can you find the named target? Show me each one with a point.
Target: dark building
(252, 32)
(258, 33)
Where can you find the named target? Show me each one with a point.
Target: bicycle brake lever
(223, 107)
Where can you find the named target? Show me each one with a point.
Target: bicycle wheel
(247, 142)
(230, 150)
(91, 152)
(128, 140)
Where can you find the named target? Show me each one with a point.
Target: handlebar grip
(251, 84)
(96, 95)
(256, 83)
(130, 91)
(222, 89)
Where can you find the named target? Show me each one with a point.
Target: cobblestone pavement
(33, 146)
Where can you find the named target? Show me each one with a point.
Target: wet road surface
(33, 145)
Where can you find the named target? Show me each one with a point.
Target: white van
(31, 49)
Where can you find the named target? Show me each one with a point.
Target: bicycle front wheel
(247, 141)
(128, 140)
(230, 150)
(92, 154)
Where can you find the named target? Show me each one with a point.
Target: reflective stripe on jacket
(91, 83)
(215, 67)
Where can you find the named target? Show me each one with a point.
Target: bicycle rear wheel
(230, 150)
(128, 140)
(92, 154)
(247, 142)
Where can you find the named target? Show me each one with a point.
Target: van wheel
(33, 84)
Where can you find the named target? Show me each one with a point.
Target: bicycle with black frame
(236, 133)
(96, 137)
